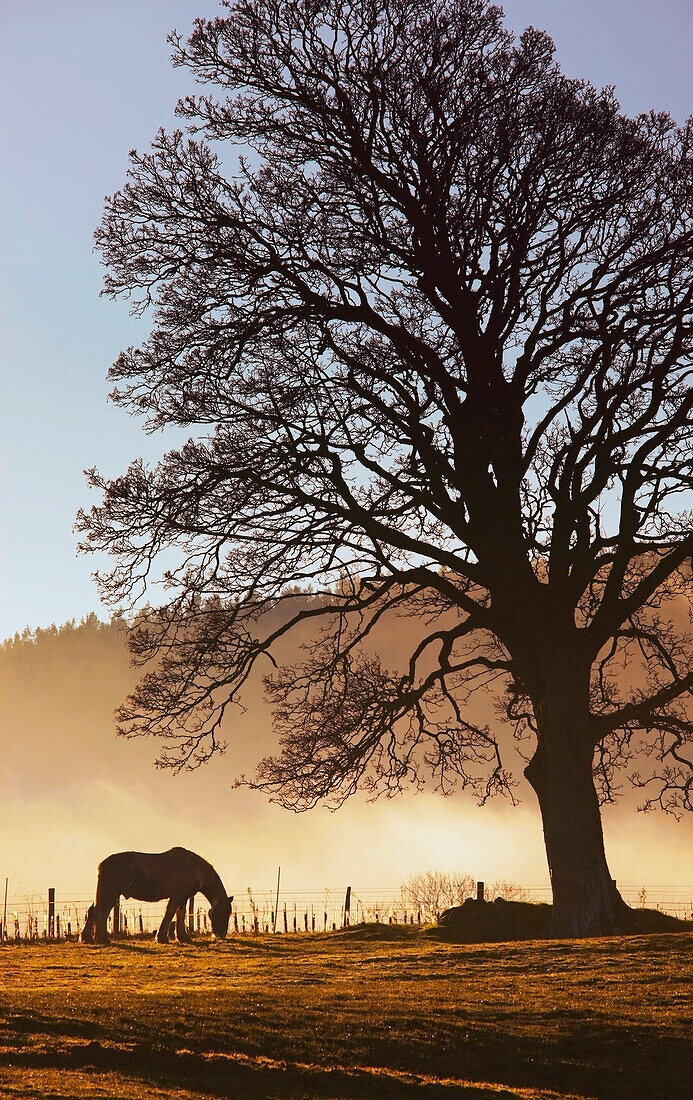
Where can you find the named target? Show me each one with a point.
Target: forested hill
(36, 648)
(60, 686)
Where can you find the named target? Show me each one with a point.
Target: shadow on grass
(607, 1063)
(241, 1076)
(21, 1024)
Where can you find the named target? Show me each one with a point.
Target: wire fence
(55, 916)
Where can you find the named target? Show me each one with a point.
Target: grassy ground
(366, 1013)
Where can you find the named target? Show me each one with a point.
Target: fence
(35, 917)
(52, 916)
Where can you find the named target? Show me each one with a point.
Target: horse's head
(219, 915)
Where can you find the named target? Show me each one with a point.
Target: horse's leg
(89, 930)
(165, 926)
(182, 934)
(105, 900)
(103, 910)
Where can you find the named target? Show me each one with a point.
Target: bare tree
(508, 891)
(432, 340)
(434, 891)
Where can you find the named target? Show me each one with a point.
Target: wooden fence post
(480, 891)
(347, 907)
(276, 904)
(51, 911)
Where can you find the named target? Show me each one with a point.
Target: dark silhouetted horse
(150, 876)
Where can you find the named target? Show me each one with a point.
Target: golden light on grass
(368, 1013)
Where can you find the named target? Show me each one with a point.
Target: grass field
(368, 1012)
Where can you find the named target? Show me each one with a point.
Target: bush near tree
(432, 892)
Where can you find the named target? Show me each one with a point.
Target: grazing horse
(150, 876)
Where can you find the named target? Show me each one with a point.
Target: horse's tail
(89, 930)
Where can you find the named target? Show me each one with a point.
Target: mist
(72, 792)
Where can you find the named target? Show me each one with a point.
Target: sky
(81, 83)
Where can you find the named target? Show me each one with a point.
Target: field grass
(368, 1012)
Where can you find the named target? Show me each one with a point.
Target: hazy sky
(82, 82)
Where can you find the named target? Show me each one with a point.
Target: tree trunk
(585, 899)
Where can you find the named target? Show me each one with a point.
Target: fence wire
(33, 917)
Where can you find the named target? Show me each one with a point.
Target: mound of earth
(495, 921)
(500, 921)
(651, 920)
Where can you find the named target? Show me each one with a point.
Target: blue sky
(82, 82)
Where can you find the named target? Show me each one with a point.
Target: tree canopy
(425, 305)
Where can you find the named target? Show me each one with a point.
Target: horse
(151, 876)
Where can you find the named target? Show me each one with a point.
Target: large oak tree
(425, 307)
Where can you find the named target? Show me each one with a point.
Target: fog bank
(72, 792)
